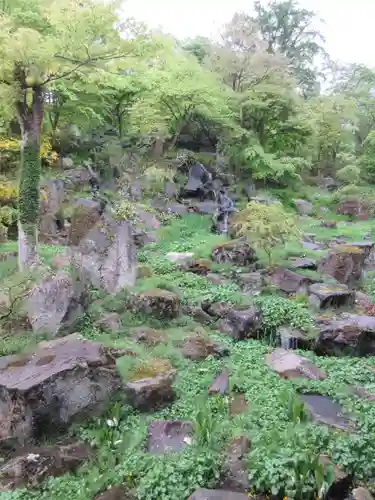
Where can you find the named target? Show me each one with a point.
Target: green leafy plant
(266, 226)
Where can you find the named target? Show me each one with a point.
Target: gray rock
(220, 385)
(204, 494)
(62, 381)
(235, 476)
(303, 207)
(323, 410)
(165, 436)
(56, 304)
(353, 335)
(106, 257)
(290, 282)
(31, 467)
(152, 393)
(324, 295)
(242, 324)
(290, 365)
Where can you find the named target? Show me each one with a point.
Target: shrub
(350, 174)
(126, 210)
(155, 179)
(10, 149)
(8, 193)
(266, 226)
(278, 311)
(8, 215)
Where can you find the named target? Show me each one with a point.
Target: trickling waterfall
(287, 341)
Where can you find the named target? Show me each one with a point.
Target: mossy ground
(282, 442)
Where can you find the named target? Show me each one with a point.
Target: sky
(348, 26)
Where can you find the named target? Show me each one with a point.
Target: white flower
(112, 422)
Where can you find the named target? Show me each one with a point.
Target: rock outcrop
(61, 381)
(106, 256)
(290, 365)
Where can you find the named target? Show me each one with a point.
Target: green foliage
(350, 174)
(368, 157)
(278, 311)
(155, 179)
(126, 210)
(266, 226)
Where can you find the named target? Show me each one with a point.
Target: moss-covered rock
(160, 303)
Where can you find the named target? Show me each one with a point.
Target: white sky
(349, 24)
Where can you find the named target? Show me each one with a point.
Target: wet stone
(323, 410)
(166, 436)
(220, 385)
(290, 365)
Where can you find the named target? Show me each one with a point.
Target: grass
(284, 442)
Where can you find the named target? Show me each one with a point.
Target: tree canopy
(256, 93)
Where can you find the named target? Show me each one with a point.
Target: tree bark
(30, 117)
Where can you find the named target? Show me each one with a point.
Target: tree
(332, 118)
(288, 29)
(42, 42)
(357, 82)
(199, 47)
(266, 226)
(178, 91)
(242, 59)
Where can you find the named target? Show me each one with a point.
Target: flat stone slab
(204, 494)
(166, 436)
(323, 295)
(290, 365)
(326, 411)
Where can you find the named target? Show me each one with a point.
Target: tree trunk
(30, 118)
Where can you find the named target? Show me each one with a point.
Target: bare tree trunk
(30, 118)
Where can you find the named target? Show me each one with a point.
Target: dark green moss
(28, 197)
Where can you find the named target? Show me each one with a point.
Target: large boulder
(242, 324)
(198, 348)
(86, 214)
(344, 263)
(29, 468)
(354, 335)
(150, 394)
(51, 200)
(158, 302)
(237, 252)
(62, 381)
(303, 207)
(323, 296)
(76, 177)
(199, 180)
(106, 257)
(290, 282)
(56, 304)
(290, 365)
